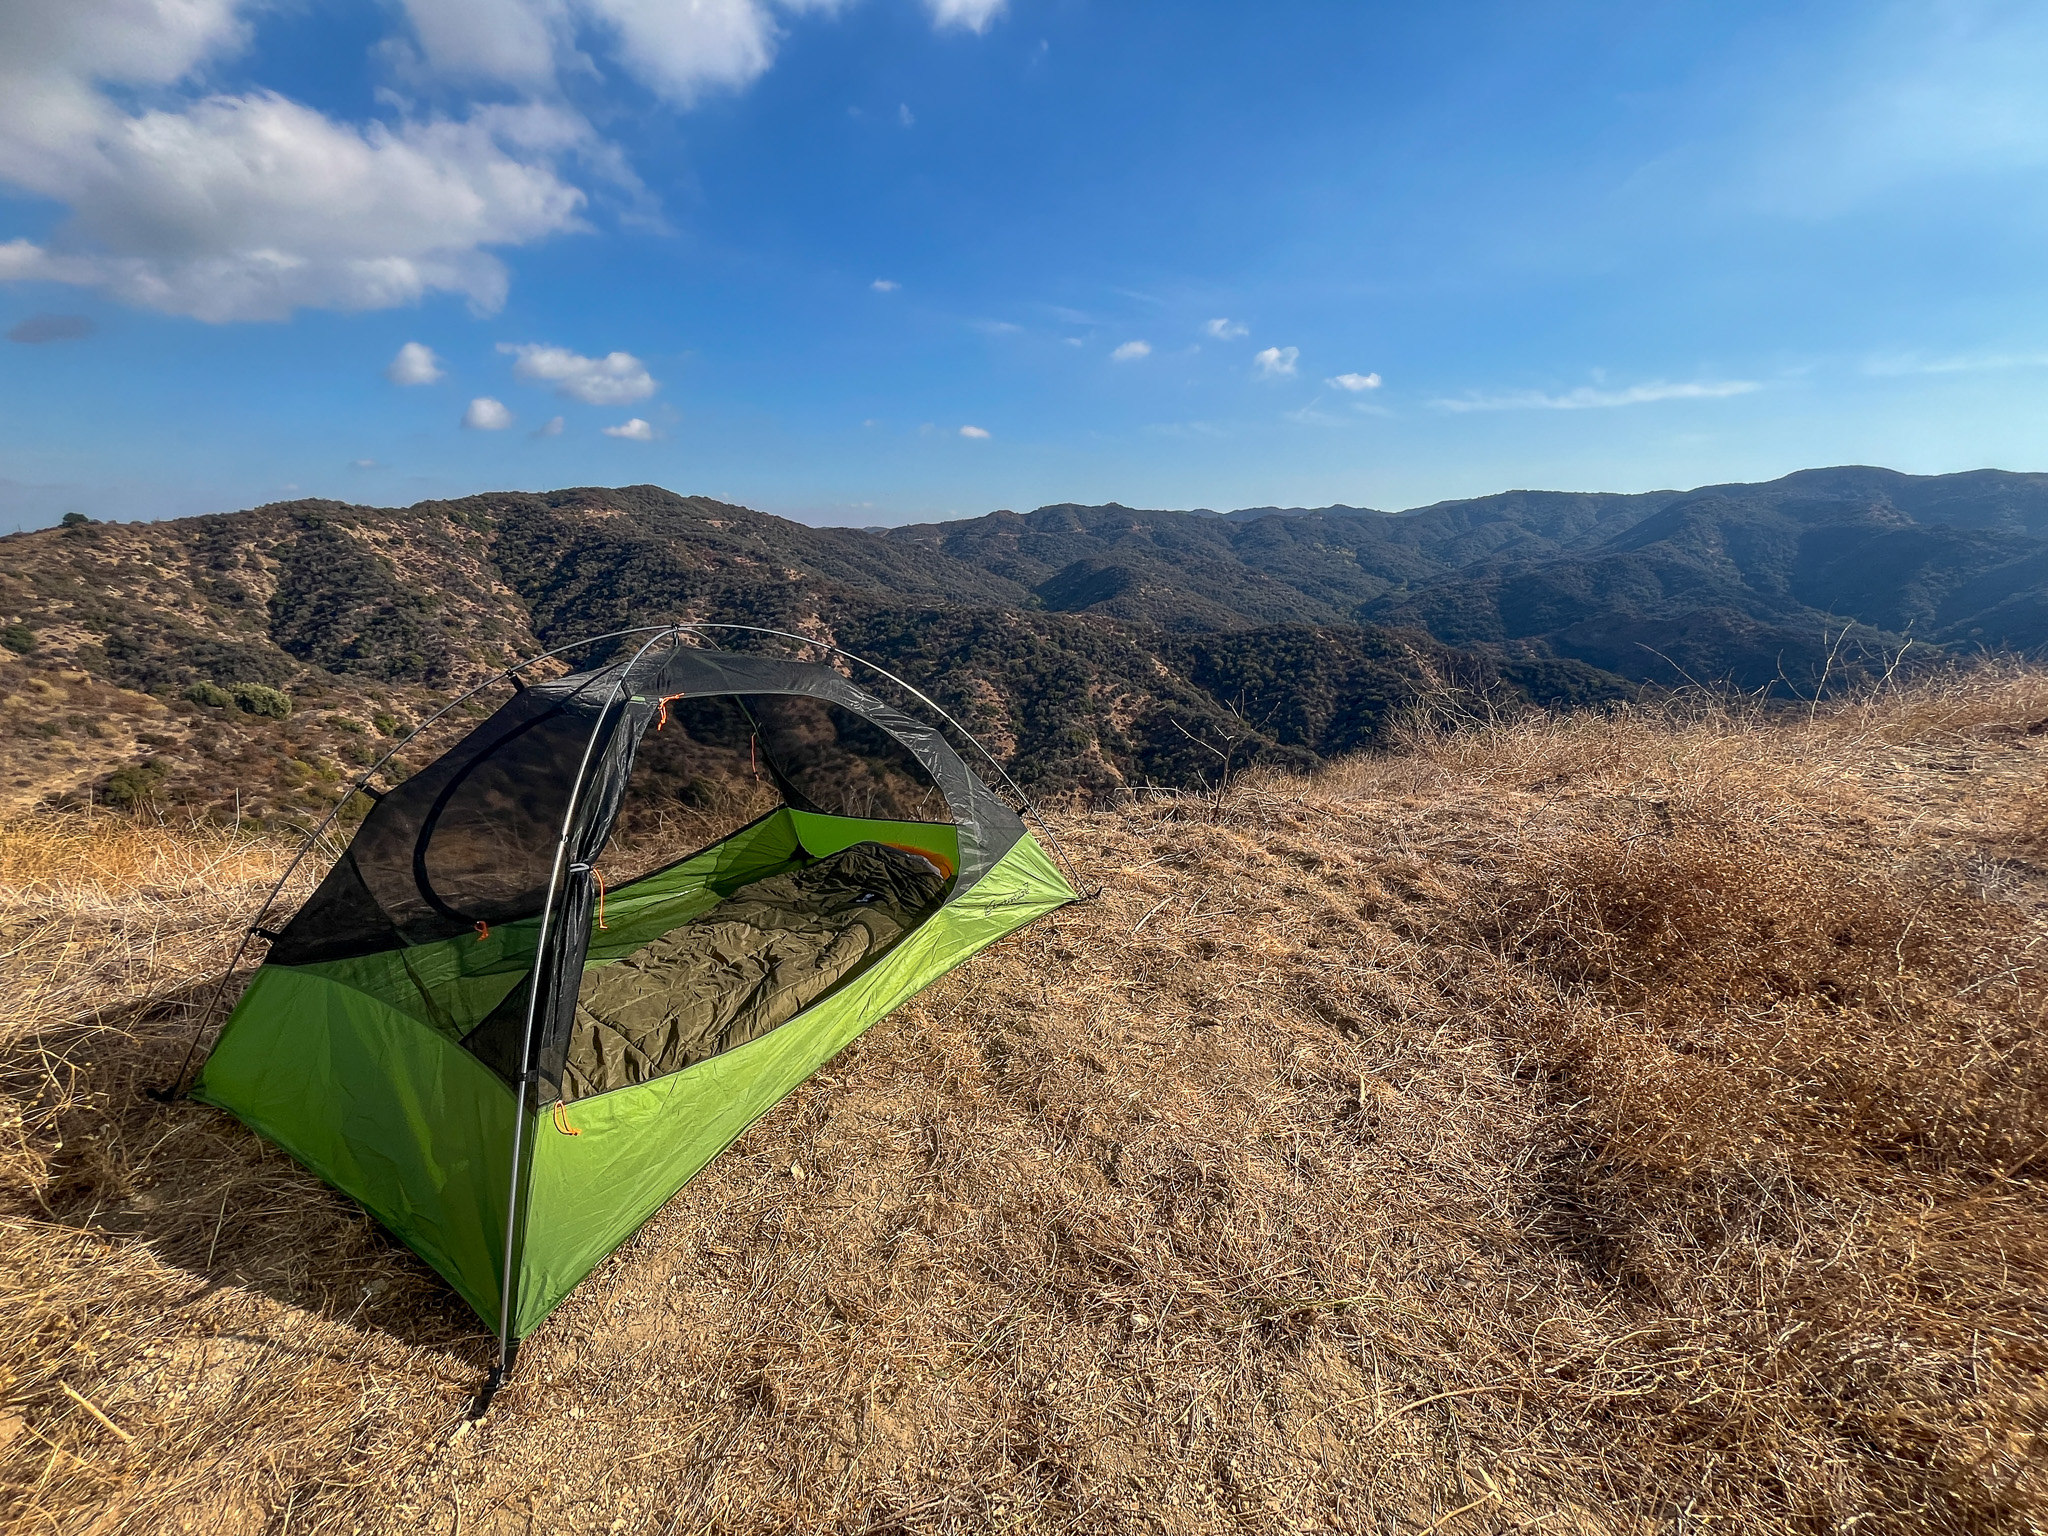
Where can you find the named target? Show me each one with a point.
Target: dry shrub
(1760, 984)
(1599, 1124)
(1798, 1083)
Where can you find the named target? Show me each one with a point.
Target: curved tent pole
(507, 1348)
(176, 1085)
(1028, 809)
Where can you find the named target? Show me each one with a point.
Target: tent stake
(508, 1356)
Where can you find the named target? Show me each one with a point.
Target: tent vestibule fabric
(449, 1032)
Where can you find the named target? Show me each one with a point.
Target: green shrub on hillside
(209, 694)
(18, 638)
(259, 700)
(135, 785)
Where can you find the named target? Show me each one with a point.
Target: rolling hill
(250, 661)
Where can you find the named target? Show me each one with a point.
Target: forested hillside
(252, 661)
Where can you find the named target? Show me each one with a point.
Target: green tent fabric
(423, 1034)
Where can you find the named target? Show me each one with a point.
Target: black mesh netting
(472, 838)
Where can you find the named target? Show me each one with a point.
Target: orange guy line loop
(600, 896)
(562, 1120)
(483, 930)
(661, 719)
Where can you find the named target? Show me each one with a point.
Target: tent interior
(813, 843)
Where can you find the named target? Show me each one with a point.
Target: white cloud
(486, 415)
(1587, 398)
(679, 49)
(1073, 341)
(978, 433)
(363, 464)
(617, 378)
(904, 115)
(1226, 330)
(972, 15)
(1355, 382)
(636, 431)
(1131, 351)
(415, 364)
(552, 427)
(1277, 362)
(884, 285)
(512, 41)
(248, 206)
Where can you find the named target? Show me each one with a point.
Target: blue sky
(886, 260)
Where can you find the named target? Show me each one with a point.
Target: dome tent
(513, 1067)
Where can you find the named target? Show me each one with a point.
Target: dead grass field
(1617, 1124)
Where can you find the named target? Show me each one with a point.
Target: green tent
(512, 1064)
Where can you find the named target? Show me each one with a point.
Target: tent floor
(751, 963)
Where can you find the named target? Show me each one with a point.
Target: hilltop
(253, 661)
(1595, 1123)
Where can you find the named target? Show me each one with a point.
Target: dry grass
(1616, 1124)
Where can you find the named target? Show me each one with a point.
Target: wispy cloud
(1929, 93)
(1226, 330)
(904, 115)
(1355, 382)
(885, 285)
(1131, 351)
(415, 364)
(1587, 398)
(634, 431)
(1276, 362)
(980, 434)
(39, 330)
(486, 415)
(969, 15)
(617, 378)
(1906, 364)
(552, 427)
(996, 327)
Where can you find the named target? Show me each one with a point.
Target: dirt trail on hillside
(1603, 1125)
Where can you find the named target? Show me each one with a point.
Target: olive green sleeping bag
(754, 961)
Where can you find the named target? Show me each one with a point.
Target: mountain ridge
(1099, 646)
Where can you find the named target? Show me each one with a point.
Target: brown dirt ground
(1616, 1124)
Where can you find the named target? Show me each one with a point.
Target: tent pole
(508, 1347)
(930, 703)
(176, 1086)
